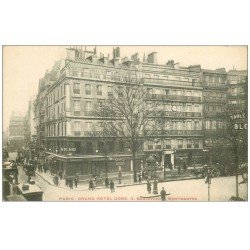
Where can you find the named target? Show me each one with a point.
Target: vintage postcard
(125, 123)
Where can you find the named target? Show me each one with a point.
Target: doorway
(167, 160)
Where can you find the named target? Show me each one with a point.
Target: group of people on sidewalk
(71, 182)
(108, 184)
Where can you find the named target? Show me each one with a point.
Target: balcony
(99, 134)
(214, 114)
(109, 78)
(163, 97)
(174, 114)
(174, 133)
(214, 99)
(215, 85)
(171, 82)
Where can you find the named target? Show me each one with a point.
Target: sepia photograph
(94, 123)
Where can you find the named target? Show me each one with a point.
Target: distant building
(16, 132)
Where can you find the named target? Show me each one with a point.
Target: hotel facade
(190, 98)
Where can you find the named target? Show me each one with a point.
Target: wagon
(201, 171)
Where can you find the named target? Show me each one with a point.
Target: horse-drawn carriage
(217, 170)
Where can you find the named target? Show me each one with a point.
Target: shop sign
(68, 149)
(240, 126)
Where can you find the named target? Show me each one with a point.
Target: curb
(118, 186)
(170, 180)
(75, 189)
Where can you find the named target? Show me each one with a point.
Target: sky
(23, 66)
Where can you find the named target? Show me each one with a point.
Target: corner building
(84, 83)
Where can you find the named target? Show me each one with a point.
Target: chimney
(126, 61)
(116, 62)
(104, 59)
(152, 58)
(170, 63)
(116, 52)
(195, 68)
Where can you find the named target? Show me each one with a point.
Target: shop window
(89, 147)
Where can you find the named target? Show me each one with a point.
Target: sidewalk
(83, 186)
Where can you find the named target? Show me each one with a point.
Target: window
(99, 105)
(110, 91)
(120, 93)
(121, 146)
(61, 91)
(88, 126)
(150, 145)
(89, 147)
(99, 89)
(189, 143)
(73, 71)
(189, 108)
(76, 88)
(196, 125)
(168, 143)
(189, 125)
(196, 143)
(101, 147)
(110, 146)
(213, 124)
(180, 143)
(77, 107)
(87, 89)
(77, 128)
(196, 108)
(88, 106)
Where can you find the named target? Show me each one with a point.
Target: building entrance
(167, 160)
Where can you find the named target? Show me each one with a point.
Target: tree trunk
(106, 166)
(134, 167)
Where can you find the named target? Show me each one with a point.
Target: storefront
(91, 166)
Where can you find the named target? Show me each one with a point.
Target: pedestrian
(184, 166)
(66, 181)
(106, 182)
(155, 189)
(56, 180)
(148, 187)
(179, 170)
(70, 183)
(112, 186)
(60, 174)
(76, 182)
(163, 194)
(139, 178)
(170, 166)
(91, 185)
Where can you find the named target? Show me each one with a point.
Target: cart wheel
(215, 173)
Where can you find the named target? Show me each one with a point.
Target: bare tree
(104, 136)
(128, 110)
